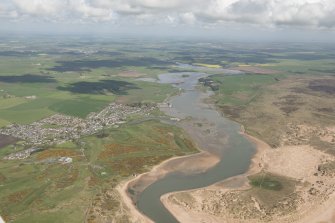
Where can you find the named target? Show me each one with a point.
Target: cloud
(38, 7)
(188, 18)
(160, 4)
(307, 13)
(312, 13)
(85, 10)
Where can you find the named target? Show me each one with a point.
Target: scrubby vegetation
(265, 182)
(37, 188)
(268, 105)
(281, 87)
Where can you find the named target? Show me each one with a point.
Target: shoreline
(154, 174)
(320, 211)
(254, 167)
(160, 171)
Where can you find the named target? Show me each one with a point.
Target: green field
(61, 80)
(266, 182)
(34, 190)
(269, 189)
(239, 90)
(300, 91)
(78, 76)
(17, 107)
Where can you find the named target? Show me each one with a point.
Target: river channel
(235, 152)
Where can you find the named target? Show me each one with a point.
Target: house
(65, 160)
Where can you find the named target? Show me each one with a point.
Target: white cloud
(87, 11)
(38, 7)
(310, 13)
(159, 3)
(188, 18)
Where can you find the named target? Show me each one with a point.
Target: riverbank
(295, 165)
(238, 183)
(191, 164)
(313, 197)
(225, 153)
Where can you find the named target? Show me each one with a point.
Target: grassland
(47, 78)
(292, 110)
(271, 188)
(274, 194)
(42, 78)
(78, 78)
(267, 104)
(50, 99)
(265, 182)
(240, 90)
(39, 78)
(42, 190)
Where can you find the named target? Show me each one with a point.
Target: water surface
(235, 154)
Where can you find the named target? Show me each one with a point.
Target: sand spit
(196, 163)
(188, 216)
(315, 202)
(134, 215)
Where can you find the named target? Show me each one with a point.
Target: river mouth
(229, 152)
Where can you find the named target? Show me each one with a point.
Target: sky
(292, 19)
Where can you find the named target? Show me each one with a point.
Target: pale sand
(187, 216)
(134, 215)
(195, 163)
(299, 162)
(324, 213)
(294, 161)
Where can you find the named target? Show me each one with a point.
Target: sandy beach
(239, 182)
(188, 164)
(293, 164)
(293, 161)
(191, 164)
(299, 162)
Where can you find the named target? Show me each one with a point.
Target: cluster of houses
(60, 128)
(22, 154)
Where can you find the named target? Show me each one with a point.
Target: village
(60, 128)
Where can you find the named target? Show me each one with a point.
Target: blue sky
(266, 17)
